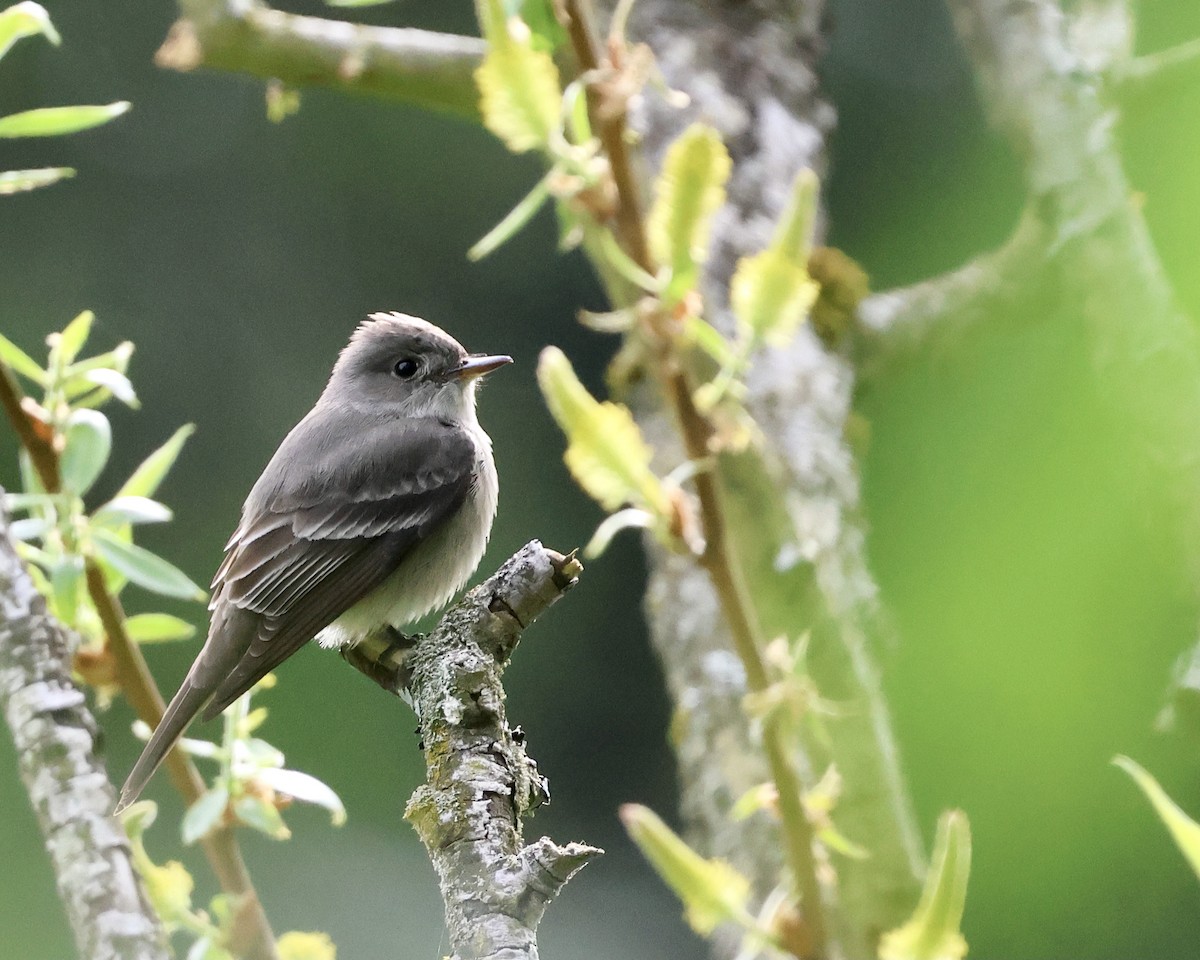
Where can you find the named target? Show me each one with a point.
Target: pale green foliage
(521, 99)
(22, 181)
(87, 444)
(28, 20)
(605, 450)
(250, 789)
(296, 945)
(145, 480)
(58, 533)
(1184, 830)
(25, 20)
(712, 891)
(933, 931)
(56, 121)
(689, 190)
(251, 781)
(158, 628)
(772, 292)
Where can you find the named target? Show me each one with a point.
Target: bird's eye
(405, 369)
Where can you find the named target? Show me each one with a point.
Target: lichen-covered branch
(138, 685)
(55, 738)
(1172, 72)
(1145, 351)
(481, 783)
(895, 326)
(421, 67)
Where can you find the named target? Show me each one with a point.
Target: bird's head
(408, 364)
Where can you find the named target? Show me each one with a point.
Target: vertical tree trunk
(749, 70)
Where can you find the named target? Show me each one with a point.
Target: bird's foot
(384, 657)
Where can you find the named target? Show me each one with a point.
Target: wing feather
(317, 536)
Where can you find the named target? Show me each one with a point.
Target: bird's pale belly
(429, 576)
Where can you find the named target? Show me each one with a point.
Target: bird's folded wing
(307, 551)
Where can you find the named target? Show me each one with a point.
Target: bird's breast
(436, 569)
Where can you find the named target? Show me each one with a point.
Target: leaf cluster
(29, 19)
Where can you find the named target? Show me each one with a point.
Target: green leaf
(305, 788)
(31, 528)
(605, 450)
(153, 470)
(121, 510)
(158, 628)
(933, 931)
(629, 518)
(87, 446)
(709, 339)
(22, 181)
(57, 121)
(73, 337)
(771, 295)
(106, 382)
(138, 817)
(25, 20)
(539, 16)
(520, 96)
(1184, 830)
(712, 891)
(21, 362)
(144, 568)
(772, 292)
(794, 232)
(689, 190)
(514, 220)
(297, 945)
(206, 949)
(66, 576)
(356, 3)
(262, 816)
(205, 814)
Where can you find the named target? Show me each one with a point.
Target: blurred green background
(1032, 568)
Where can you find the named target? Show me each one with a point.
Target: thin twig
(137, 683)
(717, 558)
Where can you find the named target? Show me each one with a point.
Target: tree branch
(420, 67)
(137, 683)
(55, 738)
(895, 326)
(1166, 74)
(481, 783)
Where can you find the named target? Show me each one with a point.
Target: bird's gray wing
(335, 512)
(319, 538)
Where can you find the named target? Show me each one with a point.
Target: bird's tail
(180, 712)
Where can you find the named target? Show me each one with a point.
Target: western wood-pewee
(375, 509)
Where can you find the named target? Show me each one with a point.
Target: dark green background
(1036, 579)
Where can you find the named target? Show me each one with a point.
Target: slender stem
(610, 127)
(41, 453)
(137, 683)
(718, 559)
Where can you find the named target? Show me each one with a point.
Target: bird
(375, 509)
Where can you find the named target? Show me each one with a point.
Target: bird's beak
(474, 367)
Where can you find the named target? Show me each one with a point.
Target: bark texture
(55, 738)
(481, 782)
(750, 71)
